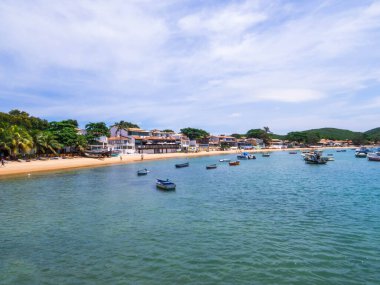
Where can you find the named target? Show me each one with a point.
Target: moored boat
(293, 152)
(224, 160)
(374, 156)
(211, 166)
(165, 184)
(360, 154)
(242, 157)
(266, 154)
(315, 158)
(234, 163)
(142, 172)
(180, 165)
(246, 155)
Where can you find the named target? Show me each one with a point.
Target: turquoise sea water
(268, 221)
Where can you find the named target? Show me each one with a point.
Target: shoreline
(15, 168)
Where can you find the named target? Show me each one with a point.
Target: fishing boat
(211, 166)
(375, 156)
(142, 172)
(224, 160)
(360, 154)
(315, 158)
(234, 163)
(266, 154)
(293, 152)
(246, 155)
(165, 184)
(180, 165)
(242, 157)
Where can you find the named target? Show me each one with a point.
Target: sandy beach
(21, 168)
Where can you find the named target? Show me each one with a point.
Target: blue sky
(224, 66)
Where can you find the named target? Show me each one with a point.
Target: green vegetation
(194, 134)
(333, 133)
(259, 134)
(96, 130)
(122, 125)
(22, 134)
(373, 135)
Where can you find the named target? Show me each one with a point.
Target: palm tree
(17, 140)
(266, 129)
(120, 126)
(46, 142)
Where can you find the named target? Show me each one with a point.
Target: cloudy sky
(224, 66)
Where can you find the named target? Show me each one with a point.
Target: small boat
(360, 154)
(225, 160)
(315, 158)
(234, 163)
(374, 156)
(180, 165)
(165, 184)
(330, 154)
(242, 157)
(330, 158)
(266, 154)
(293, 152)
(142, 172)
(211, 166)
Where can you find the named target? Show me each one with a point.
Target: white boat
(374, 156)
(225, 160)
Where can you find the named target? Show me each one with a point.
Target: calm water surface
(270, 221)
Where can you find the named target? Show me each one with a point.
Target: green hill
(334, 134)
(375, 131)
(373, 134)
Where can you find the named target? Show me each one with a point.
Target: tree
(360, 139)
(168, 131)
(15, 140)
(259, 134)
(194, 134)
(224, 146)
(44, 142)
(312, 138)
(66, 134)
(96, 130)
(299, 137)
(237, 136)
(266, 129)
(122, 125)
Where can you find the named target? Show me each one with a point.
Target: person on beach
(142, 157)
(121, 157)
(2, 161)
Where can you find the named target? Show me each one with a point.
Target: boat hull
(234, 163)
(213, 166)
(165, 185)
(181, 165)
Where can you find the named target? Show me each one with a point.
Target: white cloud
(169, 63)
